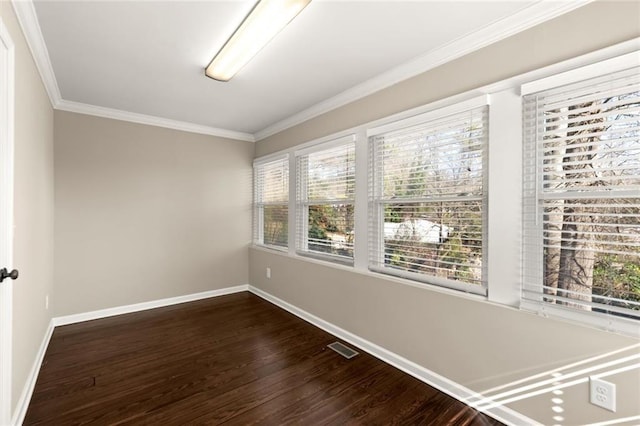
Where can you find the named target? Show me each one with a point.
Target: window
(325, 200)
(427, 198)
(582, 198)
(271, 202)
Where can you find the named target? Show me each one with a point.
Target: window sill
(378, 275)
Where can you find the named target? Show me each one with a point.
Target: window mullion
(504, 202)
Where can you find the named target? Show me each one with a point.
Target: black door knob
(5, 274)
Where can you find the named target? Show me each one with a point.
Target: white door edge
(7, 63)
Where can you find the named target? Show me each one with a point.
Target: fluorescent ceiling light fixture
(266, 19)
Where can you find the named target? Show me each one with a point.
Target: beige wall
(145, 213)
(475, 343)
(33, 208)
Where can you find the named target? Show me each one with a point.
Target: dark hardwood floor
(234, 359)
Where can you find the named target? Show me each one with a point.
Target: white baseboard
(504, 414)
(119, 310)
(27, 391)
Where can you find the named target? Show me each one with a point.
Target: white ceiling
(148, 57)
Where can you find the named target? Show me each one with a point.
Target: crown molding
(28, 20)
(151, 120)
(526, 18)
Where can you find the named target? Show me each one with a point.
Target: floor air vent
(343, 350)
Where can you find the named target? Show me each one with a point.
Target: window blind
(582, 198)
(427, 200)
(271, 202)
(325, 200)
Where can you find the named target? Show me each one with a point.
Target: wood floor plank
(290, 406)
(233, 360)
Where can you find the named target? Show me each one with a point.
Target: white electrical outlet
(269, 273)
(46, 302)
(602, 394)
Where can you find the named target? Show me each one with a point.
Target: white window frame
(376, 205)
(258, 205)
(302, 204)
(533, 258)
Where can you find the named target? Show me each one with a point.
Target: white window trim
(603, 322)
(376, 240)
(270, 158)
(608, 66)
(372, 274)
(416, 120)
(503, 284)
(504, 198)
(333, 143)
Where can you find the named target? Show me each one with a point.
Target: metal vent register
(343, 350)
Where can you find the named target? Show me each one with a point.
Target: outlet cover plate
(602, 394)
